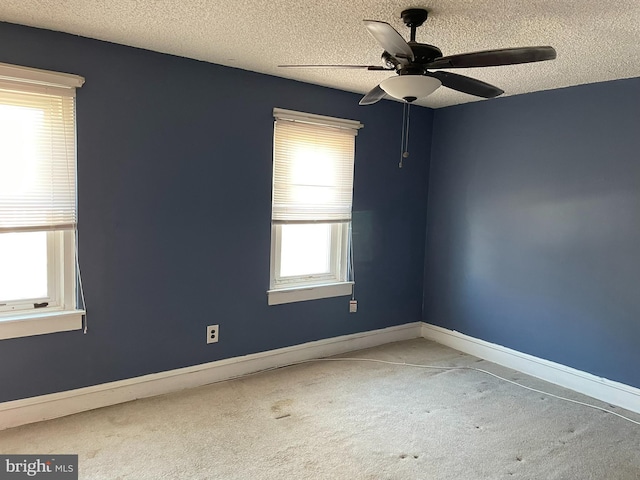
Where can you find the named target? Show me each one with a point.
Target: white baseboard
(46, 407)
(608, 391)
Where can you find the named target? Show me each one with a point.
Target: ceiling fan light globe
(404, 87)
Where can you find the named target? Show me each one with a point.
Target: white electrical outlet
(213, 333)
(353, 306)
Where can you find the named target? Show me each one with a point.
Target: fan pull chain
(404, 108)
(404, 150)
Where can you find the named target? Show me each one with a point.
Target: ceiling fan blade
(375, 95)
(389, 39)
(366, 67)
(467, 84)
(493, 58)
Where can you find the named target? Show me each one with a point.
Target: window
(313, 159)
(37, 202)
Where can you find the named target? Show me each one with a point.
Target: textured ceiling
(595, 40)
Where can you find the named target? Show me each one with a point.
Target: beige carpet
(349, 420)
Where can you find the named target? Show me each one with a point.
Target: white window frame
(22, 318)
(337, 273)
(316, 286)
(55, 280)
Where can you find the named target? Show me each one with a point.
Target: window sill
(27, 325)
(301, 294)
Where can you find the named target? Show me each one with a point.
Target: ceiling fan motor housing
(424, 53)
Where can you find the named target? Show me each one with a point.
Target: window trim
(27, 79)
(41, 323)
(311, 292)
(310, 287)
(62, 314)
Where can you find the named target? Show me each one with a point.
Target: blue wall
(533, 235)
(534, 225)
(174, 168)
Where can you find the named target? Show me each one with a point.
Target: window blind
(37, 149)
(313, 168)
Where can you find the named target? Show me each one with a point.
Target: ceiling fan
(413, 62)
